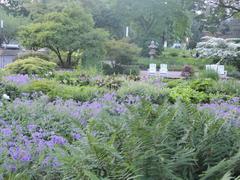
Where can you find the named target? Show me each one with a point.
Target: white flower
(6, 97)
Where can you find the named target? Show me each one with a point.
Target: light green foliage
(69, 30)
(202, 85)
(31, 66)
(53, 89)
(141, 89)
(187, 95)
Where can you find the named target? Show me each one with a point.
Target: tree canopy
(65, 31)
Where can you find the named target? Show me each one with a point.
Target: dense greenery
(133, 131)
(31, 66)
(103, 118)
(58, 31)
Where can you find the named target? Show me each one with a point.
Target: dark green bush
(131, 70)
(121, 69)
(107, 69)
(9, 89)
(173, 54)
(121, 52)
(31, 66)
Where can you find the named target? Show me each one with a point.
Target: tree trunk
(69, 59)
(57, 52)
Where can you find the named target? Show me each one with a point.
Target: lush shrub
(131, 70)
(121, 53)
(31, 66)
(120, 69)
(187, 94)
(174, 83)
(110, 82)
(53, 89)
(235, 74)
(141, 89)
(107, 69)
(202, 85)
(229, 87)
(73, 79)
(103, 139)
(177, 141)
(172, 52)
(211, 74)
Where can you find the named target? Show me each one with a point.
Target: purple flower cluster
(70, 109)
(21, 146)
(227, 110)
(18, 79)
(42, 124)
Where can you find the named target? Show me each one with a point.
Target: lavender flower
(18, 80)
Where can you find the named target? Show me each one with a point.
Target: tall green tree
(105, 16)
(67, 32)
(11, 25)
(155, 19)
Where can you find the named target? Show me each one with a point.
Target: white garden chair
(221, 70)
(152, 69)
(214, 67)
(217, 68)
(208, 67)
(163, 69)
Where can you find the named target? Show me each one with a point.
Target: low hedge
(53, 89)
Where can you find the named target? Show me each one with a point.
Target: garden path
(169, 74)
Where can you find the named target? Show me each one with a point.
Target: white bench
(152, 69)
(163, 69)
(217, 68)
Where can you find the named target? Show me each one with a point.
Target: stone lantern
(152, 49)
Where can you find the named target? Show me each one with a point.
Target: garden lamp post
(127, 32)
